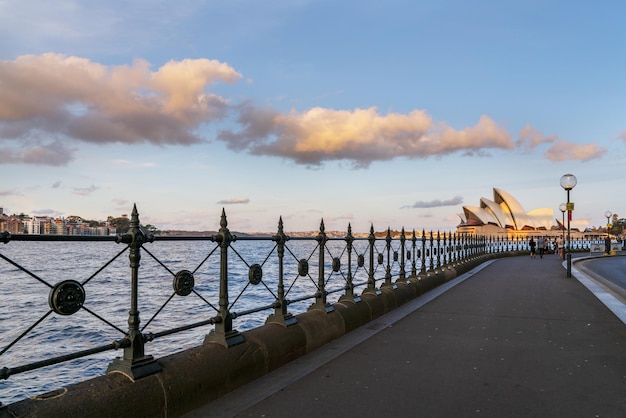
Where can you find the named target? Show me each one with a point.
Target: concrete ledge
(194, 377)
(354, 314)
(320, 327)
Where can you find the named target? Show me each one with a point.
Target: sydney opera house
(504, 215)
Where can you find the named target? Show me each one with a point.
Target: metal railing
(233, 278)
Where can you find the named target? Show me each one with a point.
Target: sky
(392, 113)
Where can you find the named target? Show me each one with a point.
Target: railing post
(388, 268)
(371, 280)
(423, 258)
(280, 315)
(320, 296)
(135, 363)
(414, 261)
(224, 333)
(349, 295)
(402, 260)
(432, 259)
(438, 251)
(446, 249)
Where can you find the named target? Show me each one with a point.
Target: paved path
(512, 338)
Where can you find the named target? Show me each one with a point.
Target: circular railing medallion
(183, 283)
(66, 297)
(255, 274)
(303, 267)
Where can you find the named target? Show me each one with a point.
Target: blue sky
(392, 113)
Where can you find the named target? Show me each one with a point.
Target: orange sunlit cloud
(67, 98)
(361, 136)
(565, 151)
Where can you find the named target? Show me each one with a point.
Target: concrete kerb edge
(598, 290)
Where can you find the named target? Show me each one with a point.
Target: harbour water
(30, 331)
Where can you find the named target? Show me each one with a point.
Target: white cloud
(455, 201)
(85, 191)
(234, 201)
(530, 138)
(128, 104)
(360, 136)
(567, 151)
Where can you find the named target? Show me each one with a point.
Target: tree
(618, 225)
(121, 224)
(152, 229)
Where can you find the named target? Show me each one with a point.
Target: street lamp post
(607, 241)
(562, 208)
(568, 182)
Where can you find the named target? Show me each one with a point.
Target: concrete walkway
(512, 338)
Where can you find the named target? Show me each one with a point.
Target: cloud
(47, 212)
(54, 95)
(56, 184)
(234, 201)
(54, 153)
(120, 202)
(623, 136)
(9, 192)
(456, 200)
(567, 151)
(360, 136)
(85, 191)
(530, 138)
(133, 164)
(70, 99)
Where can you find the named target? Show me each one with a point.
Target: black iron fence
(229, 278)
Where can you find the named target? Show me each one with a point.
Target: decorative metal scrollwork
(336, 264)
(419, 253)
(395, 256)
(183, 283)
(66, 297)
(408, 255)
(360, 260)
(303, 267)
(255, 274)
(380, 259)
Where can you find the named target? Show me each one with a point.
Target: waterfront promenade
(513, 337)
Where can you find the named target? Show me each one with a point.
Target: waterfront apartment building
(46, 225)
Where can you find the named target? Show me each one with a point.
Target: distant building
(38, 225)
(11, 224)
(504, 215)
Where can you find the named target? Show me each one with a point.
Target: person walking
(559, 245)
(532, 245)
(541, 244)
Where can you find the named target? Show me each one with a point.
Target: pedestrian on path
(541, 244)
(559, 244)
(532, 245)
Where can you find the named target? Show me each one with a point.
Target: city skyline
(387, 113)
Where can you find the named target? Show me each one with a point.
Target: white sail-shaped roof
(505, 211)
(515, 209)
(504, 219)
